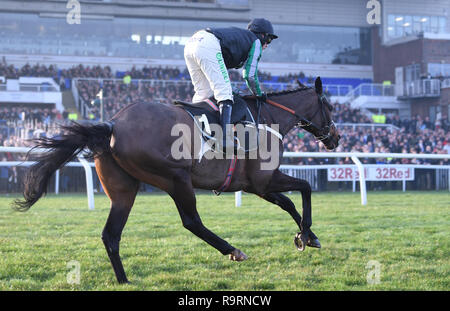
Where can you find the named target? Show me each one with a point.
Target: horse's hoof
(237, 255)
(300, 241)
(314, 243)
(126, 282)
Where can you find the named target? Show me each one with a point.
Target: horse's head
(318, 120)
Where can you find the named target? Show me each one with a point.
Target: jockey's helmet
(261, 26)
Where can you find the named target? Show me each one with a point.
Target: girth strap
(229, 177)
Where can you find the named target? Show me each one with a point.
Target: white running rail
(83, 163)
(355, 156)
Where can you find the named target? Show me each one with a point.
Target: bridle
(320, 133)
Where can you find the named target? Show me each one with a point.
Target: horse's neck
(271, 115)
(275, 115)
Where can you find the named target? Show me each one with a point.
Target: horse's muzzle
(332, 142)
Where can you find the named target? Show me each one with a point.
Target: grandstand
(52, 71)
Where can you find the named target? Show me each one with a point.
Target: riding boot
(227, 128)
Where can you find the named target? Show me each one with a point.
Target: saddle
(209, 108)
(207, 112)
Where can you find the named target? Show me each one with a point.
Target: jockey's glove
(262, 97)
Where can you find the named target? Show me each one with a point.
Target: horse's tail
(61, 150)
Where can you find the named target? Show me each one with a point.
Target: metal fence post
(89, 182)
(362, 180)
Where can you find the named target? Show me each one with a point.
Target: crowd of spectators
(407, 135)
(415, 135)
(18, 124)
(117, 95)
(12, 72)
(172, 85)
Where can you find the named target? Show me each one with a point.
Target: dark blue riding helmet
(262, 26)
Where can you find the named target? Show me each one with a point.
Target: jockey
(210, 52)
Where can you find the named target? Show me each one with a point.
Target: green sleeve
(250, 71)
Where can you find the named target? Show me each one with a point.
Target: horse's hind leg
(183, 195)
(121, 189)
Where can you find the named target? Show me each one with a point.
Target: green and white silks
(250, 71)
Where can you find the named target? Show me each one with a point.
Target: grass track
(406, 233)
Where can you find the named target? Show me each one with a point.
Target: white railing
(422, 88)
(87, 166)
(334, 89)
(376, 89)
(372, 126)
(355, 156)
(370, 89)
(37, 88)
(374, 172)
(445, 83)
(76, 95)
(337, 89)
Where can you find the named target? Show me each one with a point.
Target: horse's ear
(301, 84)
(318, 85)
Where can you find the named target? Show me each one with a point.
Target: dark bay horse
(135, 146)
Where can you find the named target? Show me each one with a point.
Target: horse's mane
(285, 92)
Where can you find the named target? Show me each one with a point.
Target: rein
(322, 133)
(271, 102)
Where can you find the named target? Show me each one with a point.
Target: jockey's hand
(263, 97)
(238, 92)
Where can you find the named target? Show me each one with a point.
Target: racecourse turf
(399, 241)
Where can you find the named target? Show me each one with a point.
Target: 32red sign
(372, 173)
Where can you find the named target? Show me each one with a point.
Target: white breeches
(207, 68)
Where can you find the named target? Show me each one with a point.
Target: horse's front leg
(280, 183)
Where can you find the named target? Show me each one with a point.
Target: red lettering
(378, 176)
(348, 173)
(393, 172)
(333, 173)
